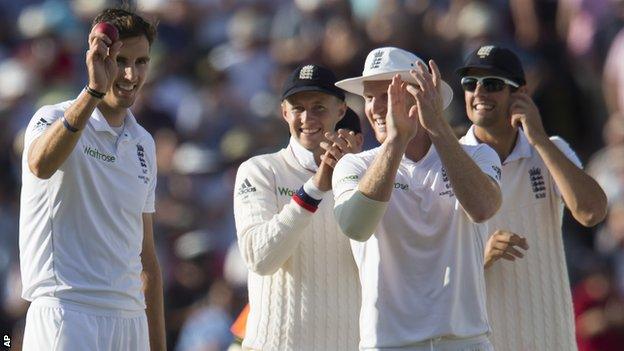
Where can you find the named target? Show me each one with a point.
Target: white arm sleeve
(356, 214)
(267, 235)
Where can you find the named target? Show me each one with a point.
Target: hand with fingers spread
(401, 120)
(525, 114)
(504, 244)
(101, 59)
(427, 94)
(346, 140)
(340, 143)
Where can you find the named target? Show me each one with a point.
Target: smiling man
(540, 175)
(412, 207)
(87, 254)
(303, 287)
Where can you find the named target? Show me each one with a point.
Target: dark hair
(129, 24)
(350, 121)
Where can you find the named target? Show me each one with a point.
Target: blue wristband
(306, 201)
(69, 126)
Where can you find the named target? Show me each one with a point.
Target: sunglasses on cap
(491, 84)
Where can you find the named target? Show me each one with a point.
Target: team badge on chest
(448, 189)
(141, 157)
(537, 182)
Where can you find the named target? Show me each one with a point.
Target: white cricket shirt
(81, 231)
(529, 300)
(422, 269)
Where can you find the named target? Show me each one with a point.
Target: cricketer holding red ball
(110, 30)
(87, 254)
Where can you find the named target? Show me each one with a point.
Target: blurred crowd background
(212, 101)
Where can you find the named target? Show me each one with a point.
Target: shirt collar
(411, 162)
(470, 138)
(131, 127)
(304, 157)
(522, 149)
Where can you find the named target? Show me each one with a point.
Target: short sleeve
(347, 175)
(150, 200)
(488, 161)
(40, 122)
(565, 148)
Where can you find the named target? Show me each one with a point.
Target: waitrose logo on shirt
(95, 153)
(285, 191)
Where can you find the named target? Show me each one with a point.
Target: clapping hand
(339, 143)
(428, 96)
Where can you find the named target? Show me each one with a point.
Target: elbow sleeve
(358, 216)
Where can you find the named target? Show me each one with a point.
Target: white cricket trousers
(56, 325)
(475, 343)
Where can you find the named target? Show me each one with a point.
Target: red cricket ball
(110, 30)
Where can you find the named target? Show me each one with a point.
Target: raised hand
(323, 176)
(101, 59)
(346, 140)
(401, 123)
(503, 244)
(525, 114)
(428, 96)
(340, 143)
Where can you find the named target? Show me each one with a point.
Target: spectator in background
(613, 76)
(208, 326)
(607, 164)
(599, 311)
(303, 286)
(610, 242)
(296, 31)
(192, 276)
(539, 175)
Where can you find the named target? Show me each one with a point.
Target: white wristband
(312, 190)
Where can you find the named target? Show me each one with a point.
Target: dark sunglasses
(491, 84)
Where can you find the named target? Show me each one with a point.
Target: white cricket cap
(383, 64)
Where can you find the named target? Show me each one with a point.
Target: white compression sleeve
(358, 216)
